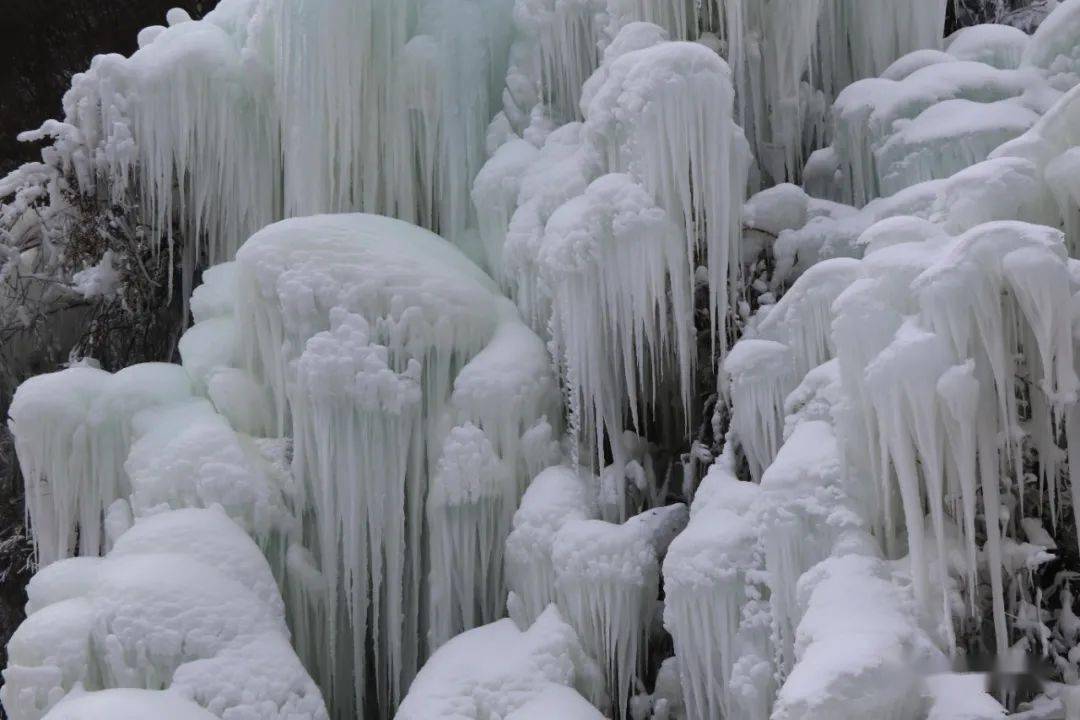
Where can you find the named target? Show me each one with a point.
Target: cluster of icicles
(384, 412)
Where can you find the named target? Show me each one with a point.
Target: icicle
(363, 327)
(705, 585)
(775, 43)
(557, 496)
(760, 375)
(870, 114)
(678, 18)
(606, 579)
(466, 518)
(565, 38)
(363, 528)
(663, 115)
(802, 319)
(622, 302)
(508, 390)
(903, 380)
(1040, 282)
(73, 430)
(424, 74)
(959, 393)
(566, 166)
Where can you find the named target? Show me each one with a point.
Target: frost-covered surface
(604, 236)
(186, 602)
(392, 359)
(74, 429)
(128, 704)
(895, 422)
(499, 670)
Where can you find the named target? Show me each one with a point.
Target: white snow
(500, 671)
(128, 705)
(363, 456)
(860, 651)
(185, 601)
(362, 327)
(555, 497)
(73, 430)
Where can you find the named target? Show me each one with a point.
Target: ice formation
(232, 122)
(184, 602)
(606, 580)
(557, 496)
(387, 352)
(622, 309)
(603, 577)
(365, 439)
(499, 670)
(74, 429)
(709, 580)
(591, 200)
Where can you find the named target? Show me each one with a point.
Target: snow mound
(1001, 46)
(128, 705)
(500, 671)
(859, 649)
(187, 455)
(185, 601)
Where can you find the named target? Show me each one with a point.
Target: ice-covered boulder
(499, 670)
(184, 601)
(859, 649)
(408, 384)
